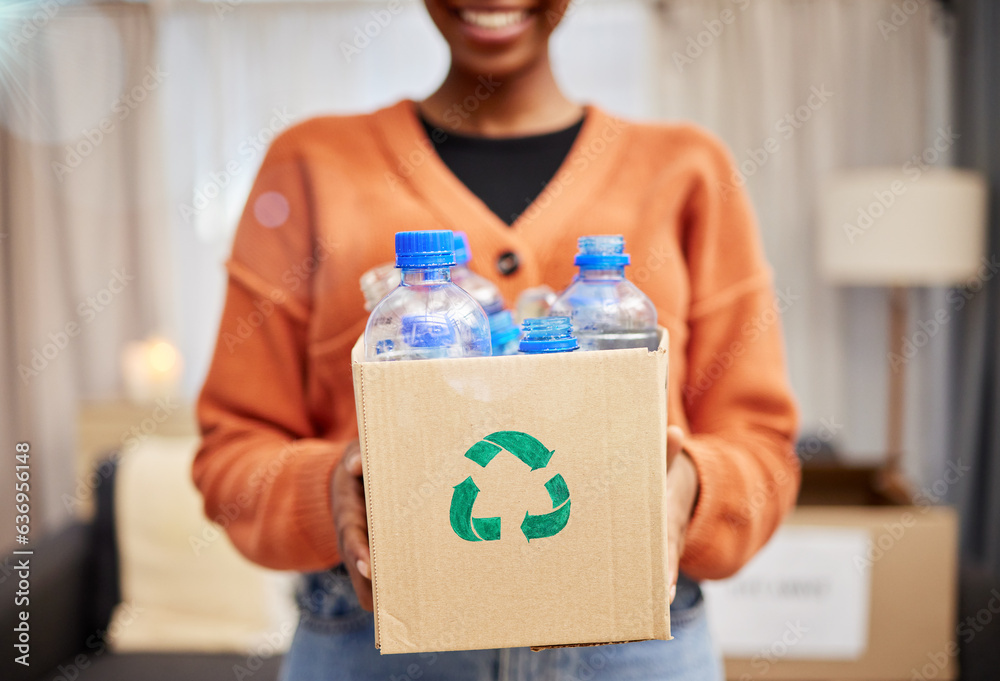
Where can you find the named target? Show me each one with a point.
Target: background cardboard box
(910, 555)
(594, 464)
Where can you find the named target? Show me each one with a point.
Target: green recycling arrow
(558, 491)
(482, 452)
(523, 446)
(462, 501)
(539, 526)
(548, 524)
(535, 455)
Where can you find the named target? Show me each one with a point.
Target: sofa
(76, 597)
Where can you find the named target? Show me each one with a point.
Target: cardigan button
(508, 262)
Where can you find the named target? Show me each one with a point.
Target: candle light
(151, 369)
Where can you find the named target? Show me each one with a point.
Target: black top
(506, 173)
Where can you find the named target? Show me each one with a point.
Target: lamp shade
(902, 227)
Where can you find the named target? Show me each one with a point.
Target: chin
(495, 36)
(499, 66)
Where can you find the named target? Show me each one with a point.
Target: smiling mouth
(493, 19)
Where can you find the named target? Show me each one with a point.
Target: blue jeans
(336, 640)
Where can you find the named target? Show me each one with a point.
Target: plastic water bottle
(607, 310)
(534, 302)
(426, 316)
(377, 282)
(544, 335)
(482, 289)
(504, 333)
(503, 329)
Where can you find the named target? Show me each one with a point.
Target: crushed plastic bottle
(377, 282)
(534, 302)
(504, 333)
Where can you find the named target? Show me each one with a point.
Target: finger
(675, 442)
(357, 560)
(352, 462)
(673, 559)
(352, 520)
(351, 524)
(681, 498)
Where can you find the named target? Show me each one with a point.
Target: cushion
(184, 586)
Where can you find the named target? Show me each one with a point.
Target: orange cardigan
(278, 406)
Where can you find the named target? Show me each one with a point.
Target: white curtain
(738, 67)
(885, 85)
(84, 259)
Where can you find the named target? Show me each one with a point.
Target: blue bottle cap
(548, 334)
(426, 249)
(502, 328)
(601, 252)
(463, 253)
(427, 331)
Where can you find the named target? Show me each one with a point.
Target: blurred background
(130, 134)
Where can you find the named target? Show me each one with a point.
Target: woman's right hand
(351, 522)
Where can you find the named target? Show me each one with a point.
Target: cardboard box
(881, 611)
(516, 501)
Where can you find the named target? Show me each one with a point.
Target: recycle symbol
(536, 456)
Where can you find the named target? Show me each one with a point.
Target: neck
(418, 277)
(525, 102)
(607, 273)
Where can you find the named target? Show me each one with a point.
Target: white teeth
(492, 19)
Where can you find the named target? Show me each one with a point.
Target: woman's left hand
(682, 494)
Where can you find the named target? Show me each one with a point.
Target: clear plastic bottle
(545, 335)
(377, 282)
(534, 302)
(482, 289)
(426, 316)
(504, 333)
(607, 310)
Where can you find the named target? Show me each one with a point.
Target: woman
(499, 152)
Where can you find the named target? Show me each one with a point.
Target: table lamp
(901, 228)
